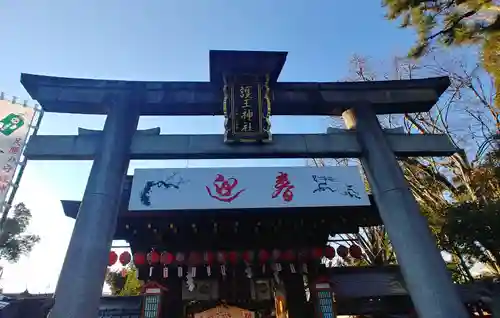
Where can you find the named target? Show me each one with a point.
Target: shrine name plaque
(247, 108)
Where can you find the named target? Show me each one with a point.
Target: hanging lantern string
(262, 256)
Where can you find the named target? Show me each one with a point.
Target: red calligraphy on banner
(283, 185)
(224, 189)
(7, 168)
(4, 182)
(16, 146)
(17, 142)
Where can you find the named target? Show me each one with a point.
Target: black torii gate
(80, 282)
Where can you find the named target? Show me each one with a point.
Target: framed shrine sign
(247, 108)
(324, 302)
(151, 303)
(152, 306)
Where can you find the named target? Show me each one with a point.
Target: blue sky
(165, 40)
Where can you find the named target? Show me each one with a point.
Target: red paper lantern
(329, 252)
(248, 256)
(194, 258)
(317, 253)
(139, 258)
(233, 257)
(342, 251)
(179, 257)
(289, 255)
(276, 254)
(221, 257)
(303, 255)
(166, 258)
(125, 258)
(263, 256)
(209, 257)
(355, 251)
(112, 258)
(153, 257)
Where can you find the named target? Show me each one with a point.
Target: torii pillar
(427, 279)
(88, 250)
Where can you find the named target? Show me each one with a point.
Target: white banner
(246, 188)
(15, 123)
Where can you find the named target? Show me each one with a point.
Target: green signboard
(11, 123)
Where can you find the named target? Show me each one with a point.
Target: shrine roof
(90, 96)
(135, 226)
(245, 62)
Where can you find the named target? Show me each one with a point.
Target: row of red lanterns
(233, 257)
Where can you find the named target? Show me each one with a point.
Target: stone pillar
(80, 284)
(427, 279)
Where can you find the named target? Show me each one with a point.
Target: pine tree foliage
(124, 283)
(453, 22)
(14, 242)
(460, 194)
(446, 21)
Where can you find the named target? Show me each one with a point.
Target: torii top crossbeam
(91, 96)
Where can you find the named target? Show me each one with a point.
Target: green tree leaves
(14, 242)
(124, 283)
(453, 22)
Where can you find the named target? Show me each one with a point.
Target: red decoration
(221, 257)
(248, 256)
(139, 258)
(303, 255)
(153, 257)
(179, 257)
(282, 183)
(224, 189)
(263, 256)
(194, 258)
(112, 258)
(125, 258)
(166, 258)
(355, 251)
(329, 252)
(317, 253)
(124, 272)
(276, 254)
(342, 251)
(289, 255)
(233, 257)
(209, 257)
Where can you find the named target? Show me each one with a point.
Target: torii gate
(80, 283)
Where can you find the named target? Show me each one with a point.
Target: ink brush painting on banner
(246, 188)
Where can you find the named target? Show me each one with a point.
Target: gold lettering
(247, 127)
(246, 92)
(247, 114)
(246, 103)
